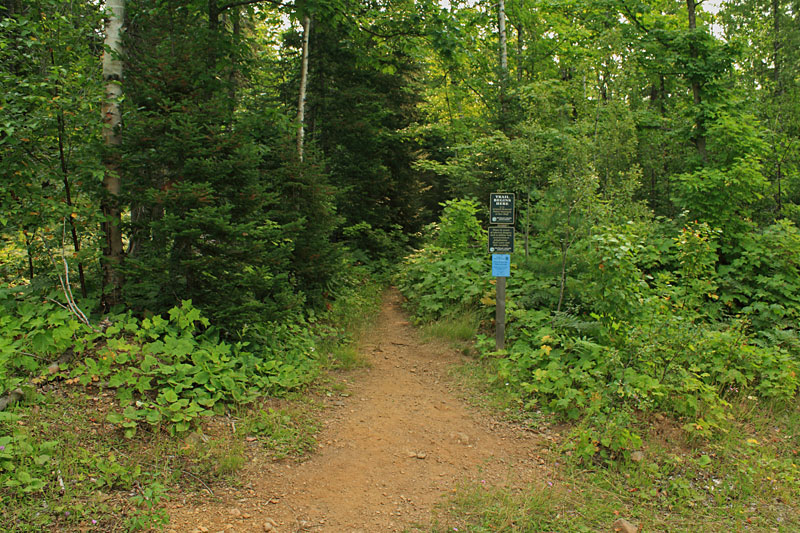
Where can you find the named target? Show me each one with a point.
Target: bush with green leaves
(166, 371)
(169, 371)
(644, 332)
(644, 337)
(35, 333)
(452, 274)
(763, 280)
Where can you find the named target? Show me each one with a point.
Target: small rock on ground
(623, 526)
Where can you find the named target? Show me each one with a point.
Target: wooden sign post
(501, 246)
(501, 269)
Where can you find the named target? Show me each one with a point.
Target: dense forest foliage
(654, 152)
(269, 157)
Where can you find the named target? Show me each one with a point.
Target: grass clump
(353, 313)
(745, 478)
(457, 329)
(286, 433)
(65, 469)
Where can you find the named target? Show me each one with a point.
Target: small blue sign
(501, 265)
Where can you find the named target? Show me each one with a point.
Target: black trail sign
(501, 208)
(501, 239)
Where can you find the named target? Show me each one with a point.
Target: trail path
(389, 453)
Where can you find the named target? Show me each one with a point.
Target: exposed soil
(389, 453)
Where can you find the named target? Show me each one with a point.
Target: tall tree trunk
(29, 253)
(700, 134)
(76, 243)
(301, 101)
(233, 68)
(501, 23)
(776, 46)
(777, 92)
(520, 33)
(214, 13)
(112, 119)
(213, 18)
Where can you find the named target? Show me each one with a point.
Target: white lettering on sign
(501, 208)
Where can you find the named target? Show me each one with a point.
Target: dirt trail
(389, 453)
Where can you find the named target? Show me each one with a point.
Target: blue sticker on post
(501, 265)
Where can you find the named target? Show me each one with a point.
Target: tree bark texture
(301, 101)
(501, 24)
(112, 120)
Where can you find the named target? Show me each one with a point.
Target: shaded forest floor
(396, 440)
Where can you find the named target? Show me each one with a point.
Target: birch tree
(501, 23)
(301, 102)
(112, 120)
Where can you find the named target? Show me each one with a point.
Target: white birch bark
(501, 22)
(301, 103)
(112, 71)
(112, 118)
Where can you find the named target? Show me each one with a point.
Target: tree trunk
(777, 92)
(501, 23)
(301, 101)
(520, 33)
(213, 30)
(112, 119)
(213, 17)
(776, 47)
(566, 242)
(29, 253)
(76, 243)
(700, 134)
(233, 68)
(528, 219)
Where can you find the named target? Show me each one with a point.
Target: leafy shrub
(764, 280)
(439, 283)
(35, 333)
(644, 333)
(646, 328)
(170, 371)
(459, 229)
(378, 247)
(452, 274)
(615, 285)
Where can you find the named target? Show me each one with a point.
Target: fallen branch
(66, 288)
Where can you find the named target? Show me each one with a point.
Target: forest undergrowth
(142, 406)
(678, 403)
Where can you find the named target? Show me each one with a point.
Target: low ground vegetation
(137, 406)
(675, 369)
